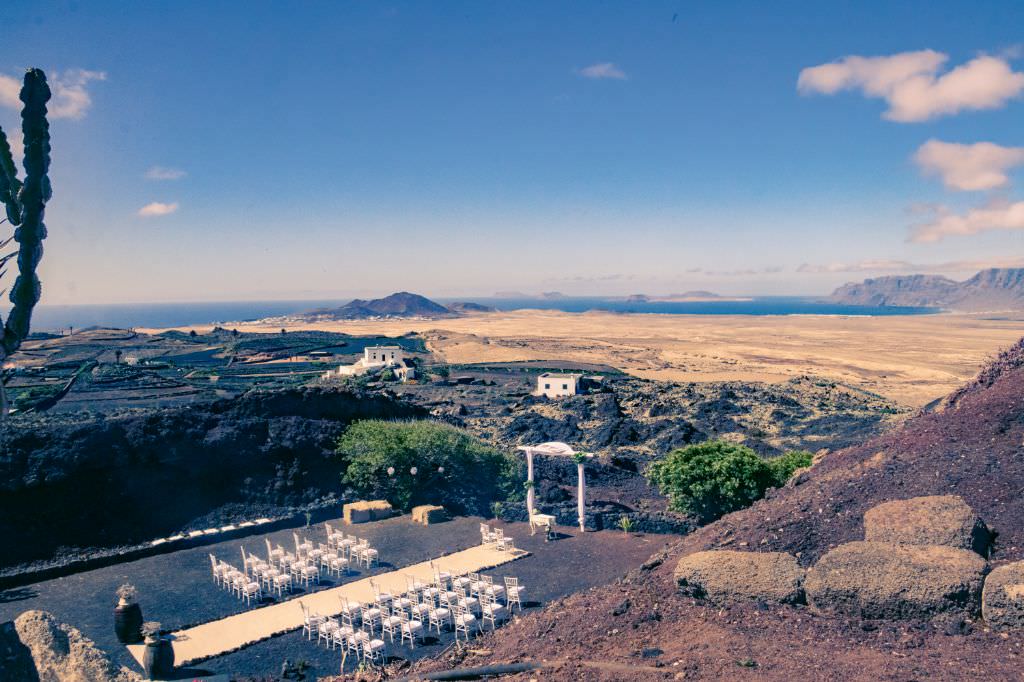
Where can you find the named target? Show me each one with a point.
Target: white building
(553, 385)
(382, 355)
(376, 358)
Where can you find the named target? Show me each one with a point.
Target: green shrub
(711, 479)
(717, 477)
(387, 375)
(783, 466)
(452, 468)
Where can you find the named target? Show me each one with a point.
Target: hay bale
(879, 580)
(934, 520)
(366, 510)
(1002, 600)
(63, 654)
(728, 577)
(428, 514)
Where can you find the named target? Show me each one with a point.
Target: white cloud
(157, 208)
(911, 84)
(603, 70)
(162, 173)
(16, 141)
(9, 90)
(884, 265)
(998, 215)
(969, 167)
(70, 96)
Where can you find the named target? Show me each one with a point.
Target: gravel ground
(177, 590)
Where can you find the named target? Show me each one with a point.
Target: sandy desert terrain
(909, 359)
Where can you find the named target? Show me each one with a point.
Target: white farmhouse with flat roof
(374, 357)
(556, 385)
(382, 355)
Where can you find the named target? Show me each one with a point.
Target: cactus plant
(25, 204)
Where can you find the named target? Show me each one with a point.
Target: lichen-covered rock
(728, 577)
(933, 520)
(428, 514)
(879, 580)
(367, 510)
(61, 653)
(1002, 600)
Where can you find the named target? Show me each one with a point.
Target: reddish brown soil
(973, 447)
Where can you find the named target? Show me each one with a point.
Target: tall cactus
(25, 203)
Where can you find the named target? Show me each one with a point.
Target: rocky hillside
(643, 629)
(88, 480)
(989, 290)
(639, 419)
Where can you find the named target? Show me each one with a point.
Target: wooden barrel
(128, 623)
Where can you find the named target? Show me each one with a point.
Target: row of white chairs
(357, 549)
(463, 604)
(241, 584)
(496, 537)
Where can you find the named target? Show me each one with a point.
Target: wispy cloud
(744, 272)
(912, 86)
(997, 215)
(70, 90)
(158, 208)
(883, 265)
(162, 173)
(969, 167)
(612, 277)
(604, 70)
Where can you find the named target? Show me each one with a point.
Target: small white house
(374, 357)
(382, 355)
(556, 385)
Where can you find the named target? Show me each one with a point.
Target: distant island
(995, 289)
(401, 304)
(685, 297)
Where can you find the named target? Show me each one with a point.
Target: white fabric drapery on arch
(558, 450)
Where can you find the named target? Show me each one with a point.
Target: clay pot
(158, 658)
(128, 622)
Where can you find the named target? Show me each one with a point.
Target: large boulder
(879, 580)
(727, 577)
(60, 653)
(934, 520)
(366, 511)
(1002, 601)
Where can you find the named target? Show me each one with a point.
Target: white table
(545, 521)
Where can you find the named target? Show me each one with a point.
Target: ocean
(53, 317)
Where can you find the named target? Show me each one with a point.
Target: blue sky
(339, 149)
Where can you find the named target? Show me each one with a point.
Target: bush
(783, 466)
(717, 477)
(452, 468)
(711, 479)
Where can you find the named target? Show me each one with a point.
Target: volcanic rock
(931, 520)
(880, 580)
(726, 577)
(1002, 601)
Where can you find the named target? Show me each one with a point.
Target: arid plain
(910, 359)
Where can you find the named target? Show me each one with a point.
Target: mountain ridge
(990, 289)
